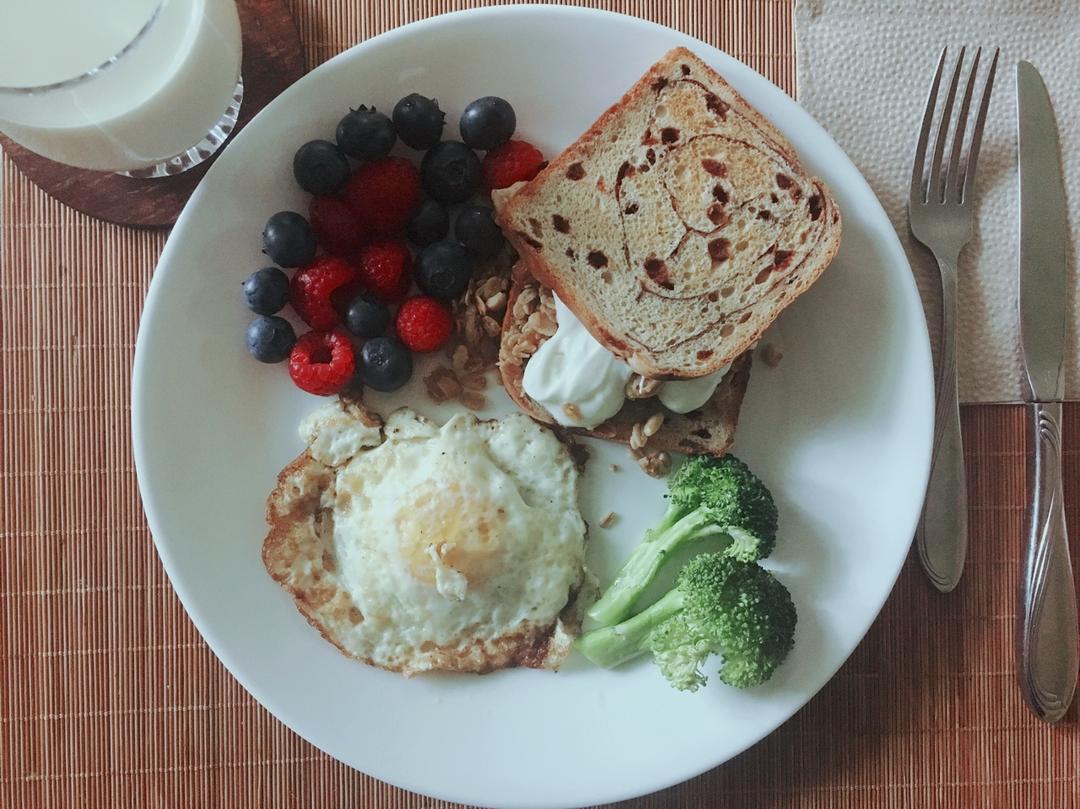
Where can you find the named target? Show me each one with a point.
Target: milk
(161, 95)
(47, 41)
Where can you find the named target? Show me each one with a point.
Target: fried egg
(418, 547)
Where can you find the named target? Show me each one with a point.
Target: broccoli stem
(645, 562)
(613, 645)
(673, 514)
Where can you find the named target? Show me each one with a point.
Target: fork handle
(942, 538)
(1048, 628)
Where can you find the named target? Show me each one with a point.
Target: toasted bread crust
(710, 430)
(676, 335)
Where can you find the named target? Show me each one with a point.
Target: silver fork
(941, 211)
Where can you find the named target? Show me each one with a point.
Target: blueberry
(320, 167)
(442, 269)
(366, 134)
(430, 223)
(419, 121)
(270, 338)
(476, 230)
(450, 172)
(487, 123)
(366, 317)
(386, 364)
(288, 239)
(266, 290)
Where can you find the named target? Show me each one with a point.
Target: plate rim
(727, 63)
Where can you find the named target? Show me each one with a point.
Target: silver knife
(1049, 646)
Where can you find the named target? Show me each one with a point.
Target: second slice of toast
(679, 226)
(709, 430)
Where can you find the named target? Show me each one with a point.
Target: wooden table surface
(109, 697)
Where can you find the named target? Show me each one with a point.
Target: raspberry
(322, 362)
(321, 288)
(512, 162)
(423, 324)
(336, 226)
(384, 194)
(385, 269)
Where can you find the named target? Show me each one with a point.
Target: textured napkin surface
(864, 68)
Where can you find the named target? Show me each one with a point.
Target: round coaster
(272, 60)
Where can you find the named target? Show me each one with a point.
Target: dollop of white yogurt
(572, 368)
(582, 384)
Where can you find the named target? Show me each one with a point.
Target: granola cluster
(534, 308)
(474, 348)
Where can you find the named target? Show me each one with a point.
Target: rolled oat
(473, 381)
(492, 285)
(526, 303)
(444, 381)
(656, 464)
(460, 358)
(640, 387)
(653, 424)
(473, 400)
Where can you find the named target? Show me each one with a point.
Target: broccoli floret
(719, 604)
(709, 497)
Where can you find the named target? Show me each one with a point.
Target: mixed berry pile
(376, 260)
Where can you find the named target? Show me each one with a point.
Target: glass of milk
(149, 88)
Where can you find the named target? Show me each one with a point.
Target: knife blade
(1048, 643)
(1043, 239)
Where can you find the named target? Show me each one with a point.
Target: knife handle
(942, 537)
(1049, 643)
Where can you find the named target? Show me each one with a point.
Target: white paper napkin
(864, 68)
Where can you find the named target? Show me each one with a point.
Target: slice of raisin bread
(530, 319)
(678, 226)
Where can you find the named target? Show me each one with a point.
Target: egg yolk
(450, 527)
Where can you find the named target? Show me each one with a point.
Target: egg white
(454, 545)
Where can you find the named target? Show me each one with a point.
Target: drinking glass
(148, 88)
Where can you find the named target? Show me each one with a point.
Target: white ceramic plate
(840, 431)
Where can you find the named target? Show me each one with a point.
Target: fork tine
(976, 133)
(952, 177)
(934, 188)
(918, 187)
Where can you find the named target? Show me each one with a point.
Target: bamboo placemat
(109, 698)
